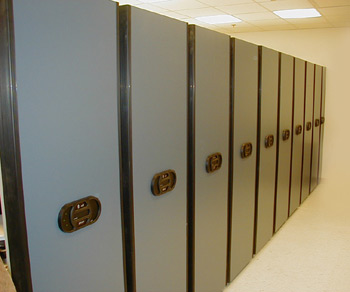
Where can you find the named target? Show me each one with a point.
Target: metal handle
(213, 162)
(285, 135)
(246, 150)
(269, 141)
(163, 182)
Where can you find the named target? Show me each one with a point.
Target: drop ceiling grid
(256, 15)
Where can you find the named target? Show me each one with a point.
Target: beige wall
(330, 48)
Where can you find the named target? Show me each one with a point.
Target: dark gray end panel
(297, 136)
(245, 100)
(323, 120)
(212, 136)
(265, 192)
(159, 115)
(67, 98)
(316, 127)
(308, 126)
(285, 140)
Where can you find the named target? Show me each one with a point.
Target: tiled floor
(311, 252)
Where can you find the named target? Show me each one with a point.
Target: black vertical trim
(304, 131)
(11, 156)
(230, 160)
(277, 140)
(292, 141)
(257, 149)
(125, 146)
(312, 128)
(191, 78)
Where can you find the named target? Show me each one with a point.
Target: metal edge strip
(257, 170)
(11, 155)
(125, 146)
(191, 114)
(292, 141)
(230, 160)
(277, 140)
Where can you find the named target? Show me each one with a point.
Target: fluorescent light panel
(217, 19)
(298, 13)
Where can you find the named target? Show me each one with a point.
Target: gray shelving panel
(266, 164)
(297, 138)
(66, 69)
(284, 139)
(323, 120)
(212, 97)
(316, 127)
(157, 72)
(245, 106)
(308, 113)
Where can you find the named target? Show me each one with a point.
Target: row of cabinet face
(219, 142)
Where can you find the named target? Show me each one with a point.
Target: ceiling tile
(312, 25)
(199, 23)
(257, 16)
(268, 22)
(335, 11)
(338, 18)
(209, 11)
(225, 2)
(315, 20)
(128, 2)
(152, 1)
(246, 29)
(278, 27)
(176, 5)
(222, 30)
(151, 7)
(286, 4)
(242, 8)
(234, 25)
(332, 3)
(173, 14)
(340, 23)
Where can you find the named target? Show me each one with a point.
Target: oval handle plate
(269, 141)
(246, 150)
(78, 214)
(298, 129)
(285, 135)
(308, 126)
(213, 162)
(163, 182)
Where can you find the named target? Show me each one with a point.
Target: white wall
(331, 48)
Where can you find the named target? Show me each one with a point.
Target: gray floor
(311, 252)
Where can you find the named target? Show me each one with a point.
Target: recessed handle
(269, 139)
(78, 214)
(308, 126)
(322, 120)
(317, 122)
(213, 162)
(298, 129)
(163, 182)
(285, 135)
(246, 150)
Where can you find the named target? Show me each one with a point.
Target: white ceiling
(256, 15)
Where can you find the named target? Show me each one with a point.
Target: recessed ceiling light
(217, 19)
(298, 13)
